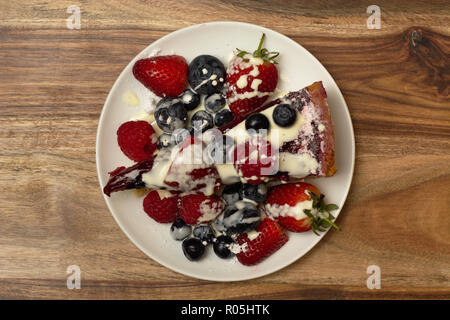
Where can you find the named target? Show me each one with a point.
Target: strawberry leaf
(261, 52)
(320, 217)
(331, 207)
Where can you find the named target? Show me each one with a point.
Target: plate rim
(101, 124)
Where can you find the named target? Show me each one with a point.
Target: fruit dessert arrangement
(222, 164)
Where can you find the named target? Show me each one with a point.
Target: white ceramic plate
(297, 69)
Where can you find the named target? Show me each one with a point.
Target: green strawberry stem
(257, 52)
(261, 52)
(334, 225)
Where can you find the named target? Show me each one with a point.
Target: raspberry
(137, 140)
(161, 206)
(199, 208)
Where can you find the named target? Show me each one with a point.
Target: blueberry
(214, 102)
(179, 230)
(220, 150)
(170, 115)
(190, 99)
(283, 115)
(204, 233)
(218, 224)
(222, 246)
(257, 122)
(206, 74)
(165, 102)
(193, 248)
(177, 110)
(223, 117)
(232, 193)
(243, 217)
(257, 193)
(164, 141)
(202, 121)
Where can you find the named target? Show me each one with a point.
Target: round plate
(297, 69)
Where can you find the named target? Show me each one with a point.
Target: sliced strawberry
(199, 208)
(299, 207)
(271, 238)
(251, 78)
(161, 205)
(188, 171)
(137, 140)
(255, 160)
(165, 76)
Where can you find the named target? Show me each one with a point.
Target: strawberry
(271, 238)
(137, 140)
(255, 160)
(188, 172)
(251, 78)
(165, 76)
(162, 205)
(198, 208)
(299, 207)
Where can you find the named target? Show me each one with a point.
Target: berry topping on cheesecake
(255, 160)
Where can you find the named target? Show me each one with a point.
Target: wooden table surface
(54, 81)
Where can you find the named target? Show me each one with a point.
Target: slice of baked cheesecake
(305, 147)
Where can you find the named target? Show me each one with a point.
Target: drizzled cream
(285, 210)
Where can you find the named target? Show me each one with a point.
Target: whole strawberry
(299, 207)
(165, 76)
(161, 205)
(251, 78)
(271, 237)
(198, 208)
(137, 140)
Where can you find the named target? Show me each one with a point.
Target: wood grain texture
(53, 83)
